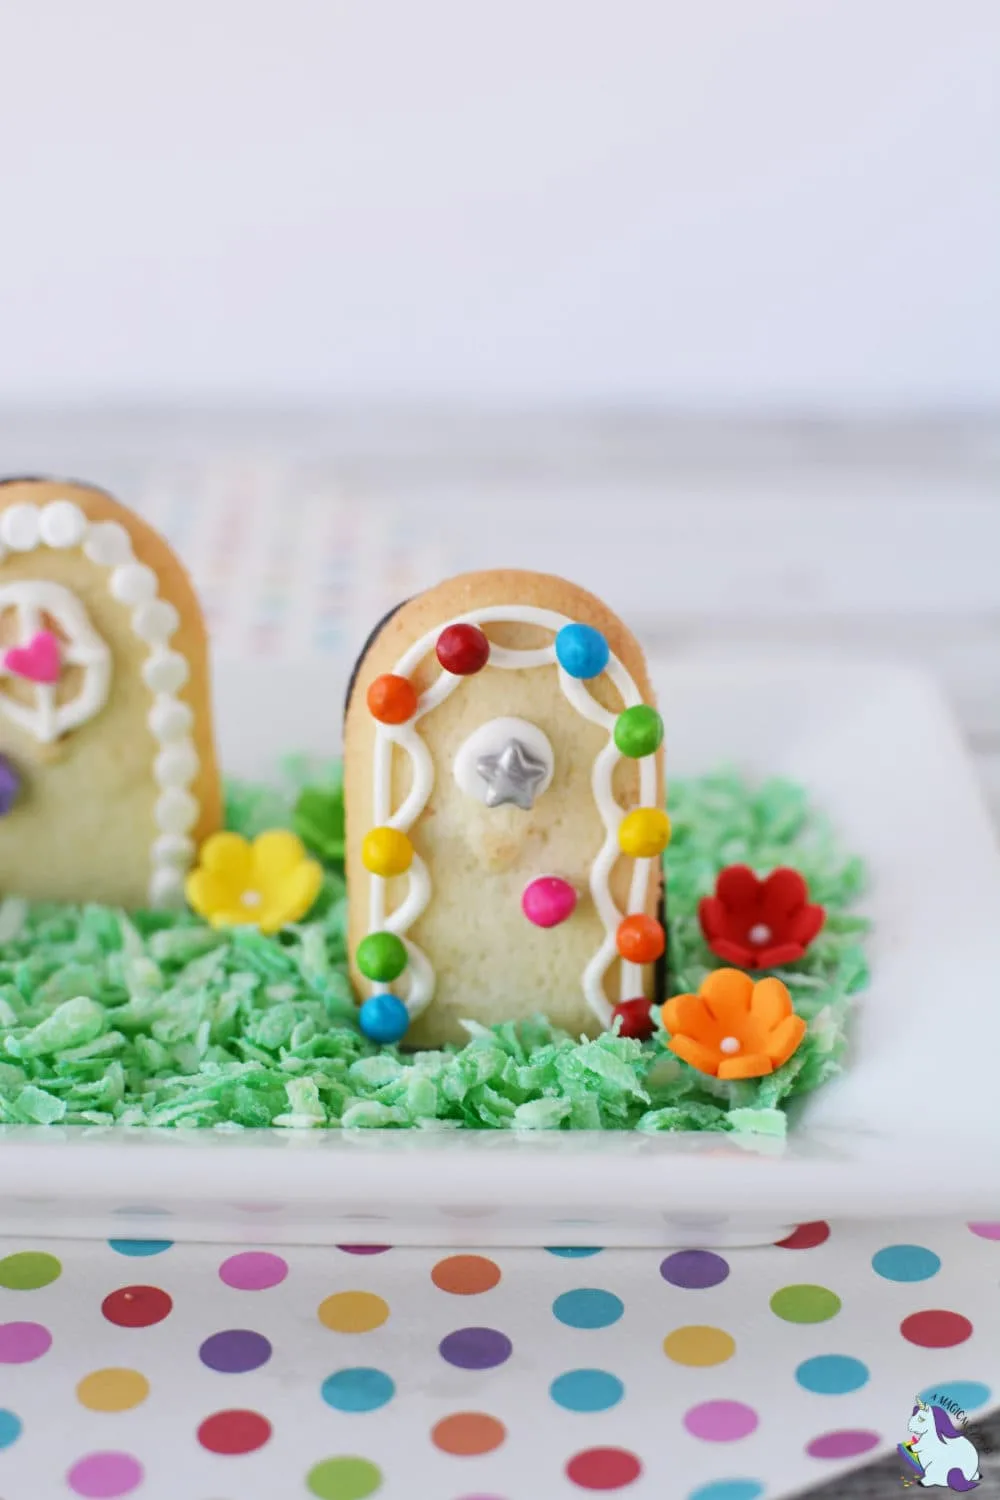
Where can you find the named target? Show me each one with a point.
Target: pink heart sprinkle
(38, 661)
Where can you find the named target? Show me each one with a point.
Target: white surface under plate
(911, 1128)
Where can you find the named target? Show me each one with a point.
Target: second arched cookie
(503, 774)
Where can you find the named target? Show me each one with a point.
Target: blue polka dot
(357, 1390)
(586, 1390)
(573, 1252)
(968, 1394)
(588, 1307)
(729, 1489)
(906, 1263)
(832, 1374)
(140, 1247)
(10, 1428)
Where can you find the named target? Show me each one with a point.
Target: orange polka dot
(468, 1433)
(353, 1312)
(464, 1275)
(699, 1344)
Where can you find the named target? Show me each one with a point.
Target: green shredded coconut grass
(157, 1019)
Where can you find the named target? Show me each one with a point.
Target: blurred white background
(698, 303)
(753, 204)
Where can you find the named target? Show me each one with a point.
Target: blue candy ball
(384, 1018)
(582, 651)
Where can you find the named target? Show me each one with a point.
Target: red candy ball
(392, 699)
(463, 649)
(636, 1018)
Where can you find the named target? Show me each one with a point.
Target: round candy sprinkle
(384, 1019)
(644, 833)
(392, 699)
(462, 649)
(638, 731)
(386, 851)
(636, 1019)
(381, 957)
(582, 651)
(640, 939)
(548, 901)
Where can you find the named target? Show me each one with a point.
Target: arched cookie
(105, 715)
(471, 952)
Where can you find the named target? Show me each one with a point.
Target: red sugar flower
(758, 924)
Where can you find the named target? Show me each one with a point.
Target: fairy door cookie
(504, 794)
(107, 765)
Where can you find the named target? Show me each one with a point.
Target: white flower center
(729, 1044)
(760, 934)
(251, 898)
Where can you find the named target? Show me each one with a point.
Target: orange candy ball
(392, 699)
(640, 939)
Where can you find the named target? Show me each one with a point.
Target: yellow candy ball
(644, 832)
(386, 851)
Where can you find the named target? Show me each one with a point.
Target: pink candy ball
(548, 901)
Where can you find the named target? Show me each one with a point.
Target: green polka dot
(805, 1304)
(343, 1479)
(28, 1270)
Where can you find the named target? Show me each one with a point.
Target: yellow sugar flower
(262, 884)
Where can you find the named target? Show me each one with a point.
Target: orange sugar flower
(734, 1028)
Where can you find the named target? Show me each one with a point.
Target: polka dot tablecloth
(140, 1367)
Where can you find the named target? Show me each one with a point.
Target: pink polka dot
(986, 1231)
(22, 1342)
(253, 1270)
(720, 1421)
(103, 1476)
(847, 1443)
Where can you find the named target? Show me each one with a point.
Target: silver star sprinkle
(514, 775)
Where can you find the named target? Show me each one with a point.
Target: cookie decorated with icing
(108, 777)
(503, 769)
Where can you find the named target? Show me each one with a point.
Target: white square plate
(913, 1126)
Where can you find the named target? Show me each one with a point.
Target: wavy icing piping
(420, 972)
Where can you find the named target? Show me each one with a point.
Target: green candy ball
(381, 956)
(638, 731)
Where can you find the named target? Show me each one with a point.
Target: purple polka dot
(235, 1350)
(721, 1421)
(986, 1231)
(694, 1269)
(104, 1476)
(253, 1270)
(475, 1348)
(22, 1342)
(847, 1443)
(364, 1249)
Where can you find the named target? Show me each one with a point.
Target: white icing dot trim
(420, 978)
(62, 524)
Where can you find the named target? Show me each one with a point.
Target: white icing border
(60, 525)
(420, 974)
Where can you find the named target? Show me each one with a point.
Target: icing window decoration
(506, 761)
(510, 762)
(734, 1028)
(756, 923)
(41, 656)
(265, 884)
